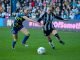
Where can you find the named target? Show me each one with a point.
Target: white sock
(51, 44)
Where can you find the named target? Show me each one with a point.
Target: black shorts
(48, 32)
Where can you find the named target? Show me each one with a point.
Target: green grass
(69, 51)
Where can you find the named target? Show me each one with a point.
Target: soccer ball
(41, 50)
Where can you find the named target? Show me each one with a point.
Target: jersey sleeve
(57, 17)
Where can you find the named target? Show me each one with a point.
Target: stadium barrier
(70, 25)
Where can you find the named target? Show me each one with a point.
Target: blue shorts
(16, 29)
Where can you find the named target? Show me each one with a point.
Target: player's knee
(54, 32)
(15, 37)
(15, 40)
(28, 34)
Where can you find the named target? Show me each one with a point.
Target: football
(41, 50)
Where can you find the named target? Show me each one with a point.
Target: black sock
(13, 44)
(25, 39)
(58, 37)
(51, 43)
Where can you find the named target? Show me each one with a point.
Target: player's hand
(40, 24)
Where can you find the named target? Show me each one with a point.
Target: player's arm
(57, 17)
(28, 19)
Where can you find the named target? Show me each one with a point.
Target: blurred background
(67, 9)
(69, 30)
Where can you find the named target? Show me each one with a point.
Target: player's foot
(62, 42)
(53, 47)
(26, 45)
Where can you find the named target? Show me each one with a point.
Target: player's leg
(26, 33)
(47, 34)
(50, 42)
(54, 32)
(15, 37)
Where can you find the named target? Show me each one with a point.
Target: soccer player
(48, 27)
(17, 26)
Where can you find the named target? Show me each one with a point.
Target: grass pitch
(69, 51)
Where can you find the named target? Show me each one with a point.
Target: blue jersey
(18, 20)
(18, 23)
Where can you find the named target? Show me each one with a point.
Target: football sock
(62, 42)
(51, 44)
(25, 39)
(57, 36)
(13, 44)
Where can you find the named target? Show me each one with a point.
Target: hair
(25, 9)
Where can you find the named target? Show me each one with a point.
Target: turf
(69, 51)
